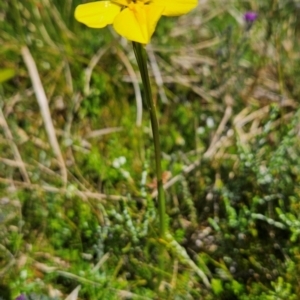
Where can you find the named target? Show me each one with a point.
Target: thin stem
(141, 58)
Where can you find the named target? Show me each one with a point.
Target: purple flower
(250, 16)
(21, 297)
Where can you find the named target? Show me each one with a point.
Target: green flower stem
(141, 58)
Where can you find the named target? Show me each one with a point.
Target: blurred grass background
(76, 207)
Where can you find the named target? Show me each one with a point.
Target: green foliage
(230, 137)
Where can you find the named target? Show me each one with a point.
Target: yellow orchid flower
(133, 19)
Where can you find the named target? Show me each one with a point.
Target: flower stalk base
(141, 58)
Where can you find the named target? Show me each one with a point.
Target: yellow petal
(176, 7)
(121, 2)
(97, 14)
(138, 22)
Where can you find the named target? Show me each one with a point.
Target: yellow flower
(133, 19)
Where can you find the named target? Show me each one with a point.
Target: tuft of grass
(228, 109)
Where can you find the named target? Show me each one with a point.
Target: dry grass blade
(204, 44)
(44, 107)
(217, 135)
(17, 155)
(84, 195)
(134, 80)
(240, 120)
(89, 70)
(157, 74)
(74, 293)
(104, 131)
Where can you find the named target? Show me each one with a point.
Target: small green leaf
(6, 74)
(216, 285)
